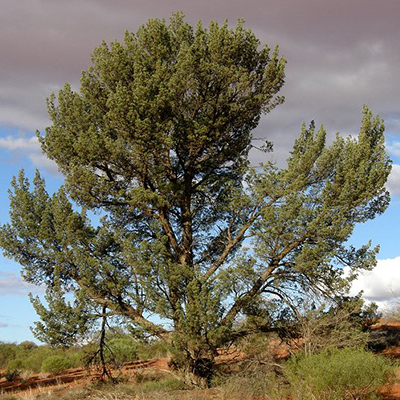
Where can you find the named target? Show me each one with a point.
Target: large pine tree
(157, 141)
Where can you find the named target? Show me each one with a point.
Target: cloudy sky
(340, 54)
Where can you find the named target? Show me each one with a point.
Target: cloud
(393, 148)
(24, 144)
(382, 284)
(340, 55)
(4, 324)
(12, 284)
(31, 148)
(393, 183)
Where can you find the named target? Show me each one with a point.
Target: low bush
(33, 361)
(56, 364)
(14, 369)
(338, 374)
(121, 350)
(156, 349)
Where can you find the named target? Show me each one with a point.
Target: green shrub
(14, 368)
(28, 345)
(335, 374)
(121, 350)
(154, 349)
(33, 362)
(76, 358)
(7, 353)
(56, 364)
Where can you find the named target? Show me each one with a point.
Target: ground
(83, 384)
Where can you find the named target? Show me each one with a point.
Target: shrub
(155, 349)
(14, 368)
(335, 374)
(34, 360)
(7, 353)
(28, 345)
(121, 350)
(76, 358)
(55, 364)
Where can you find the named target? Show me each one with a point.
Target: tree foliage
(156, 141)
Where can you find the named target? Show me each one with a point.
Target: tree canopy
(156, 141)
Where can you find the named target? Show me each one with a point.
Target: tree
(157, 143)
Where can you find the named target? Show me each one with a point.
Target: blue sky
(340, 56)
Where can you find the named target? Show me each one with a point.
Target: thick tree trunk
(195, 367)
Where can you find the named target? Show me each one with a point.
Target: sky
(340, 55)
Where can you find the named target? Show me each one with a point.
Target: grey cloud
(340, 55)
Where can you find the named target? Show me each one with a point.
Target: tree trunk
(196, 368)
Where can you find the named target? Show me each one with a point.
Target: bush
(33, 362)
(7, 353)
(121, 350)
(76, 358)
(335, 374)
(14, 368)
(56, 364)
(28, 345)
(155, 349)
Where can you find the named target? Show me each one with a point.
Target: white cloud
(382, 284)
(31, 147)
(393, 148)
(393, 183)
(26, 144)
(12, 284)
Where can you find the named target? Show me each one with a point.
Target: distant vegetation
(27, 357)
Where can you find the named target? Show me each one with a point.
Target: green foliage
(56, 364)
(28, 345)
(121, 350)
(62, 323)
(34, 359)
(157, 141)
(154, 349)
(335, 374)
(14, 369)
(7, 353)
(27, 356)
